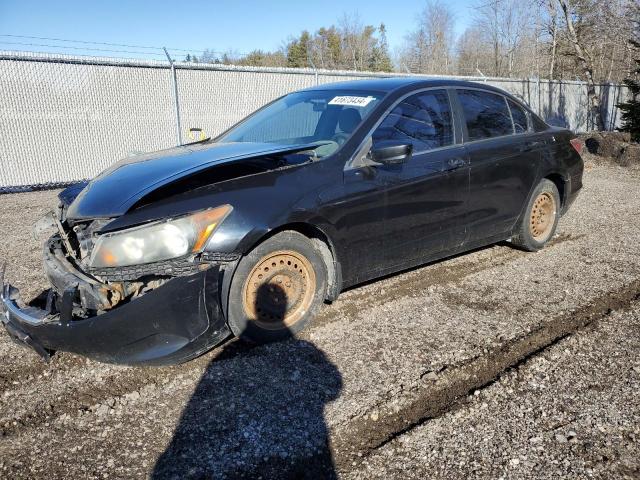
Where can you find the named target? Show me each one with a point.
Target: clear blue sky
(240, 25)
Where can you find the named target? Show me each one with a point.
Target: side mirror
(391, 153)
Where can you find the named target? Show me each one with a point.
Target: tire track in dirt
(434, 397)
(362, 434)
(70, 383)
(420, 279)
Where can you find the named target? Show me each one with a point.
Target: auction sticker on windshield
(351, 101)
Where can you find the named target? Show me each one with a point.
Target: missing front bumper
(175, 322)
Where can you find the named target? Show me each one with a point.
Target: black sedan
(165, 255)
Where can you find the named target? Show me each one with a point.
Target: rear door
(504, 159)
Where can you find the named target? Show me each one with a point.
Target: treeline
(349, 46)
(557, 39)
(589, 40)
(553, 39)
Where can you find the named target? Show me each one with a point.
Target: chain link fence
(66, 118)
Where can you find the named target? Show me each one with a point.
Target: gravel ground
(571, 411)
(381, 359)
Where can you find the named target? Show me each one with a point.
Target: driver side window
(422, 120)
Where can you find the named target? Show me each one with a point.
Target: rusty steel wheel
(543, 217)
(279, 290)
(540, 218)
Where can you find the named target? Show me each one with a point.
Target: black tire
(537, 213)
(298, 275)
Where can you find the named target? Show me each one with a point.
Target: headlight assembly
(158, 241)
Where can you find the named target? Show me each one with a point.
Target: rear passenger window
(422, 120)
(538, 124)
(519, 116)
(486, 114)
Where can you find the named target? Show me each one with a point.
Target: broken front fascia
(69, 255)
(91, 293)
(170, 324)
(168, 319)
(96, 290)
(166, 316)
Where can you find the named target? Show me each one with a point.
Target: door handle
(530, 145)
(455, 163)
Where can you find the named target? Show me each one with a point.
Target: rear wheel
(539, 222)
(277, 289)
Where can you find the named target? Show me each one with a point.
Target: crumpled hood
(118, 188)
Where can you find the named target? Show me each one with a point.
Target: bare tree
(509, 32)
(350, 46)
(428, 49)
(358, 40)
(473, 53)
(552, 29)
(585, 61)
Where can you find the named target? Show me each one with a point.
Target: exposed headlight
(158, 241)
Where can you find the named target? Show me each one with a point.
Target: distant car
(165, 255)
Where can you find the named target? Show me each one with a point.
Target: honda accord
(165, 255)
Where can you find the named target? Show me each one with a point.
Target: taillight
(577, 144)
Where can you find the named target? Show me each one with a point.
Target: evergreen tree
(327, 48)
(298, 51)
(380, 60)
(631, 109)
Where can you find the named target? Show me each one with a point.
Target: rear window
(520, 122)
(486, 114)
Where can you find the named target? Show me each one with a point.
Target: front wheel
(539, 222)
(277, 289)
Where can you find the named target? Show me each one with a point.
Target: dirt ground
(493, 364)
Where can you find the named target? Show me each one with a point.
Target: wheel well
(324, 245)
(560, 184)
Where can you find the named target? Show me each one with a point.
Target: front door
(425, 197)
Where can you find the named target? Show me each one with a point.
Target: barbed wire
(68, 47)
(193, 51)
(86, 42)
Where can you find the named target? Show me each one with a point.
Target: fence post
(175, 96)
(313, 65)
(614, 113)
(538, 92)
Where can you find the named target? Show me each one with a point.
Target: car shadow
(257, 412)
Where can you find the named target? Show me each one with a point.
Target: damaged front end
(138, 269)
(160, 312)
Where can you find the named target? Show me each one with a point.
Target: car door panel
(425, 197)
(426, 204)
(501, 178)
(393, 216)
(504, 161)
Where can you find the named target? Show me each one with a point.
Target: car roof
(390, 84)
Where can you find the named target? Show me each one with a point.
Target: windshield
(327, 118)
